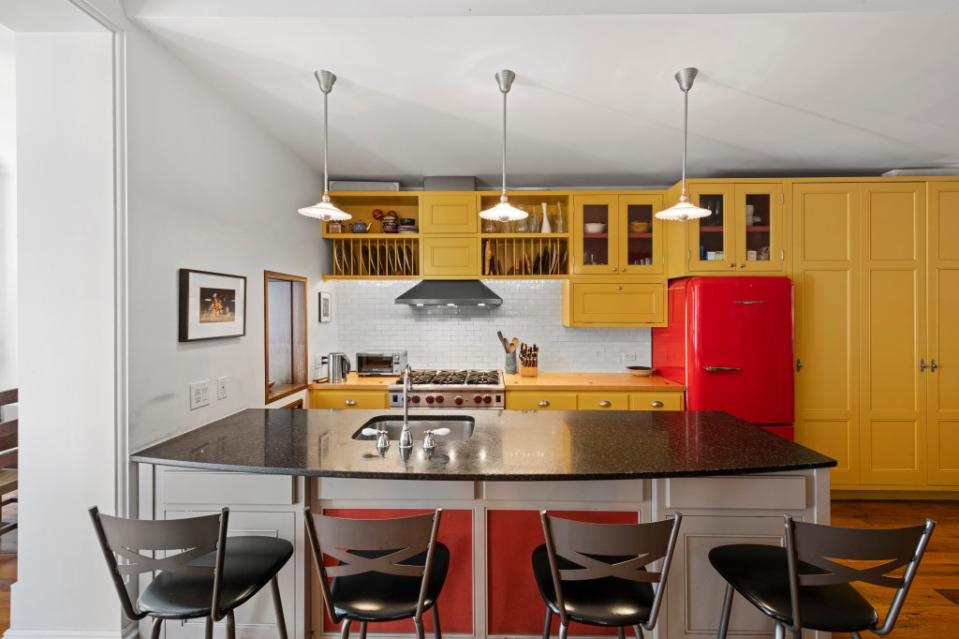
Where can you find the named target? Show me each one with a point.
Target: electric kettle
(338, 365)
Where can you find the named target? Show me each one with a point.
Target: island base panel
(514, 605)
(456, 600)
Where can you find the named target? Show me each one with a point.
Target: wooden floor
(931, 611)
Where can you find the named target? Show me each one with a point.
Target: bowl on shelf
(640, 227)
(641, 371)
(595, 227)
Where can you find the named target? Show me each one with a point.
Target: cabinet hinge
(798, 364)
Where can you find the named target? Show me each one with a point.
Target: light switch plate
(629, 356)
(199, 394)
(221, 387)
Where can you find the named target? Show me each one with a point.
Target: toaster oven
(387, 364)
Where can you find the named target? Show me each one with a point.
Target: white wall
(209, 189)
(366, 318)
(8, 210)
(67, 332)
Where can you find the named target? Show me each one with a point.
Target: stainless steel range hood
(450, 293)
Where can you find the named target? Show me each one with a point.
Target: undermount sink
(461, 427)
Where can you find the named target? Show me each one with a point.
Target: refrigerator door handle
(747, 302)
(721, 369)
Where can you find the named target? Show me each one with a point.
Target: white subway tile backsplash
(366, 318)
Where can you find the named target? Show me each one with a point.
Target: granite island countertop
(505, 446)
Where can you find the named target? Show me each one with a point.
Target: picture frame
(326, 307)
(211, 305)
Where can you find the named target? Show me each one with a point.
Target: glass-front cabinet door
(640, 234)
(711, 240)
(759, 213)
(595, 234)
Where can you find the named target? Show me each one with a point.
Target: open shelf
(370, 236)
(510, 236)
(757, 229)
(524, 255)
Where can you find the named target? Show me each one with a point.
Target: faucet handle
(429, 443)
(382, 439)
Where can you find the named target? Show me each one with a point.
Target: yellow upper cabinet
(449, 214)
(617, 234)
(450, 257)
(640, 234)
(595, 234)
(614, 303)
(744, 233)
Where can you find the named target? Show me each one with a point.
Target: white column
(68, 334)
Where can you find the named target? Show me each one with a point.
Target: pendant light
(325, 210)
(684, 209)
(504, 211)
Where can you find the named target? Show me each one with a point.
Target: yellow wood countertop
(544, 381)
(591, 381)
(355, 382)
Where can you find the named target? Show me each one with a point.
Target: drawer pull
(351, 402)
(542, 403)
(605, 403)
(656, 404)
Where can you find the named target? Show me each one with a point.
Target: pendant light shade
(684, 209)
(504, 211)
(325, 210)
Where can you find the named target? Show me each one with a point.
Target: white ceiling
(852, 88)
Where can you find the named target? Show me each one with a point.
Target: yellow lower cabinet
(614, 303)
(655, 401)
(535, 400)
(347, 399)
(450, 257)
(598, 400)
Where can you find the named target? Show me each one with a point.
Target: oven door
(376, 364)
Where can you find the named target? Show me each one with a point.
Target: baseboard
(127, 632)
(894, 495)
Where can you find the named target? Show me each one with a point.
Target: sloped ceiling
(857, 90)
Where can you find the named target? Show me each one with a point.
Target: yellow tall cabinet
(876, 272)
(942, 381)
(892, 338)
(827, 319)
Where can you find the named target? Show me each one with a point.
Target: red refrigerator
(730, 341)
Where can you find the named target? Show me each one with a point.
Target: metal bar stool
(210, 578)
(802, 586)
(387, 569)
(597, 574)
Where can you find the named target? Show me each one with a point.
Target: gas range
(451, 388)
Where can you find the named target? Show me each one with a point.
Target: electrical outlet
(629, 356)
(221, 388)
(199, 394)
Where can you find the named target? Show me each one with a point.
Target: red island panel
(514, 603)
(456, 600)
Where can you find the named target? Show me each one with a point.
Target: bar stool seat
(761, 575)
(250, 563)
(609, 601)
(373, 596)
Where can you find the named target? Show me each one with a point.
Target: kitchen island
(732, 482)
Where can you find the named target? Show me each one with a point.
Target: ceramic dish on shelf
(640, 227)
(641, 371)
(595, 227)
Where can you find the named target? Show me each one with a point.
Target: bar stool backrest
(815, 550)
(372, 545)
(631, 547)
(194, 537)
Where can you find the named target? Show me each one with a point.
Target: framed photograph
(326, 312)
(212, 305)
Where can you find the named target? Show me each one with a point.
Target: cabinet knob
(742, 266)
(619, 288)
(656, 404)
(542, 403)
(733, 265)
(933, 365)
(605, 403)
(350, 402)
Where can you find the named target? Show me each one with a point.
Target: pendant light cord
(503, 192)
(685, 134)
(326, 147)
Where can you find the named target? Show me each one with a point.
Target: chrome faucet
(406, 438)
